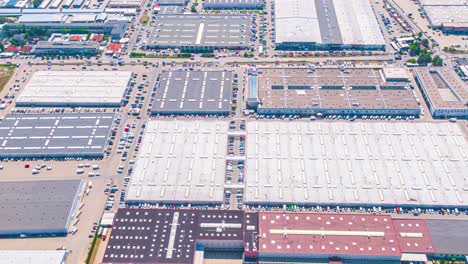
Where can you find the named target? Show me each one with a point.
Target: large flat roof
(188, 30)
(442, 88)
(356, 164)
(181, 162)
(171, 236)
(233, 4)
(37, 207)
(448, 236)
(446, 15)
(339, 22)
(413, 236)
(77, 88)
(327, 234)
(201, 92)
(33, 256)
(54, 135)
(328, 88)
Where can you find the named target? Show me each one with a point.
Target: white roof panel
(75, 88)
(356, 163)
(181, 162)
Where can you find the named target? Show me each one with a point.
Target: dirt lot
(5, 74)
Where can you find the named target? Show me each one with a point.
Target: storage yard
(303, 91)
(350, 164)
(55, 136)
(75, 88)
(330, 24)
(23, 205)
(201, 92)
(181, 162)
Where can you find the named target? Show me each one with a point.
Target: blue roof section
(253, 87)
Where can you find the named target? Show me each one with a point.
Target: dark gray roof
(189, 30)
(329, 28)
(199, 92)
(233, 4)
(151, 235)
(449, 236)
(54, 135)
(29, 207)
(173, 2)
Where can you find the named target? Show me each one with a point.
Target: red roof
(13, 48)
(97, 37)
(114, 47)
(327, 234)
(413, 236)
(75, 38)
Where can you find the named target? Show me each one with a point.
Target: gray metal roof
(327, 22)
(199, 92)
(35, 207)
(54, 135)
(172, 2)
(217, 31)
(449, 236)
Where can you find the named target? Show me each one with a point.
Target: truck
(104, 233)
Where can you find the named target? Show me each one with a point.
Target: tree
(36, 3)
(414, 49)
(437, 61)
(424, 58)
(420, 34)
(425, 43)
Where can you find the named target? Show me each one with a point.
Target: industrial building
(200, 33)
(80, 135)
(445, 94)
(341, 237)
(75, 88)
(450, 16)
(198, 235)
(172, 2)
(181, 162)
(447, 236)
(84, 48)
(193, 92)
(233, 4)
(33, 256)
(331, 91)
(356, 164)
(173, 236)
(326, 25)
(125, 3)
(38, 208)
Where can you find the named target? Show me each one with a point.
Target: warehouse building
(174, 236)
(84, 48)
(193, 92)
(200, 33)
(80, 135)
(326, 25)
(233, 4)
(356, 164)
(33, 256)
(75, 89)
(451, 16)
(172, 2)
(445, 94)
(38, 208)
(448, 240)
(125, 3)
(332, 91)
(181, 162)
(344, 238)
